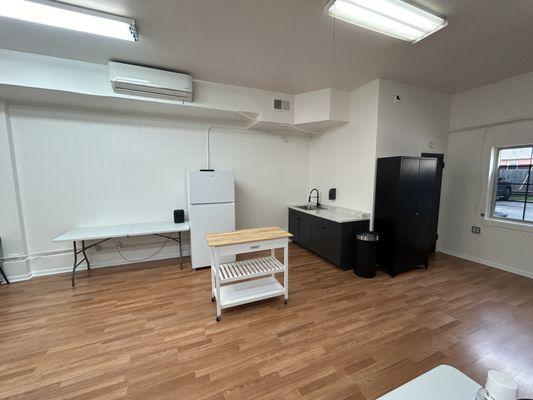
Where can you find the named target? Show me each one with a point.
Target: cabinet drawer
(252, 246)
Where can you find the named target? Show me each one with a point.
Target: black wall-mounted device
(179, 216)
(332, 194)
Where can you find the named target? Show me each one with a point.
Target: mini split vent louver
(282, 105)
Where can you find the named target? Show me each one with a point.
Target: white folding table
(440, 383)
(103, 233)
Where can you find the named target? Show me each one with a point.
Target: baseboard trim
(63, 270)
(19, 278)
(517, 271)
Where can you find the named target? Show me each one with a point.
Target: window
(513, 186)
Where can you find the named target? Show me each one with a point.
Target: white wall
(503, 100)
(344, 157)
(83, 169)
(465, 182)
(417, 123)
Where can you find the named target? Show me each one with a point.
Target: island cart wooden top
(246, 236)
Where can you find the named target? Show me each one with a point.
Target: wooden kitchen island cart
(239, 282)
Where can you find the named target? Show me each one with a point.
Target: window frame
(513, 223)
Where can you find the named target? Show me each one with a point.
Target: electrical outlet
(98, 247)
(476, 230)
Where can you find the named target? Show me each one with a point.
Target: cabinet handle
(255, 247)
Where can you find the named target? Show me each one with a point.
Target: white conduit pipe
(492, 124)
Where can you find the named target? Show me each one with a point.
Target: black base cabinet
(333, 241)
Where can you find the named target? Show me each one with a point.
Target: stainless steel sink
(308, 208)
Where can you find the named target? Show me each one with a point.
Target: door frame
(436, 200)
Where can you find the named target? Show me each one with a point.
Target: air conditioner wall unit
(150, 82)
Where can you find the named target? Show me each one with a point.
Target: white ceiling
(288, 45)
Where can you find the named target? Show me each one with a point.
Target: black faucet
(317, 197)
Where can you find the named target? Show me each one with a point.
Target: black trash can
(366, 250)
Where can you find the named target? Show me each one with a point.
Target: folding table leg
(85, 254)
(177, 240)
(75, 262)
(181, 255)
(3, 274)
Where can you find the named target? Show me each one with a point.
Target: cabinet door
(294, 225)
(316, 236)
(407, 218)
(426, 199)
(326, 240)
(331, 243)
(305, 230)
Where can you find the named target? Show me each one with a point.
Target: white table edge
(184, 227)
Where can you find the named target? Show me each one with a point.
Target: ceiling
(291, 46)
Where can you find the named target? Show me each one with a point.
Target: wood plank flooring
(149, 332)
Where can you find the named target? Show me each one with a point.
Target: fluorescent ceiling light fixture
(396, 18)
(61, 15)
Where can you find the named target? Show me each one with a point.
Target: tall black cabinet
(403, 213)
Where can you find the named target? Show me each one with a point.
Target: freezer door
(209, 218)
(211, 187)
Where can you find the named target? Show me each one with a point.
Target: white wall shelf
(21, 95)
(308, 128)
(119, 104)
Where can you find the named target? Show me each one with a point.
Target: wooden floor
(149, 332)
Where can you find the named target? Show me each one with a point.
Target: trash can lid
(368, 237)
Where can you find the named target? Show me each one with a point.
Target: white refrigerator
(211, 197)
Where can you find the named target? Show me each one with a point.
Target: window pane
(514, 179)
(509, 209)
(529, 213)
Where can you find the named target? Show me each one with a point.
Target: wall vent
(282, 105)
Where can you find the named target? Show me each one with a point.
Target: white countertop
(335, 214)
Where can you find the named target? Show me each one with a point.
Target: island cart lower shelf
(249, 291)
(246, 281)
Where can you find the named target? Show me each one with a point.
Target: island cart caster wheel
(285, 301)
(218, 319)
(213, 299)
